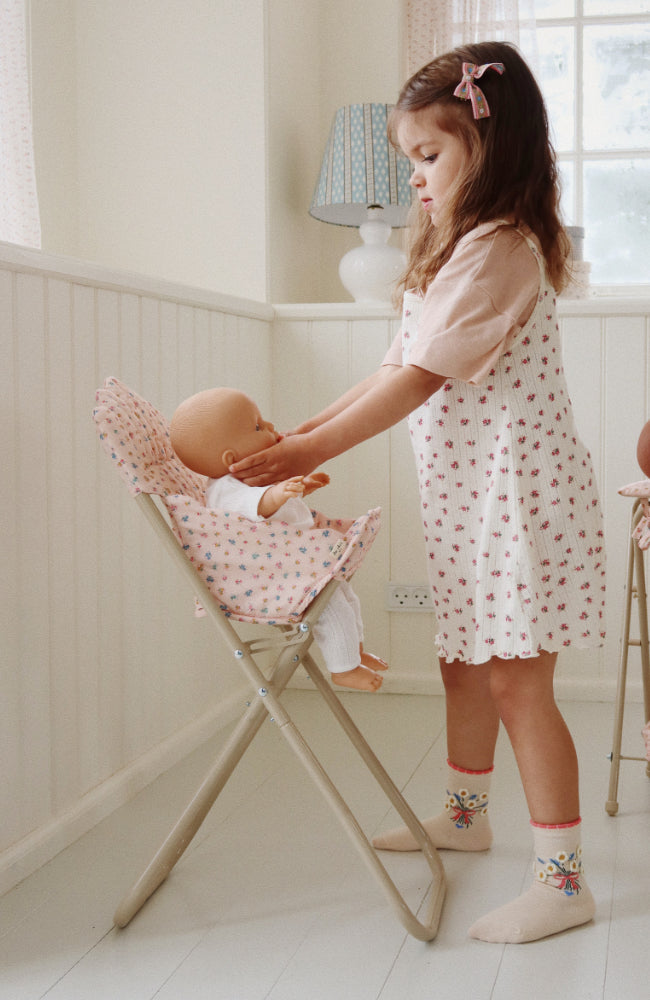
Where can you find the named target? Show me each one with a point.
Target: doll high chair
(635, 588)
(206, 546)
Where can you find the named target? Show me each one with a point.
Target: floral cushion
(268, 571)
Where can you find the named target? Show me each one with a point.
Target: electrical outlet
(421, 597)
(409, 597)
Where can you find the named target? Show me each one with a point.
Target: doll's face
(216, 427)
(250, 431)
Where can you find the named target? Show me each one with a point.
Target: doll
(216, 427)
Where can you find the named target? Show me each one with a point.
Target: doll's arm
(278, 494)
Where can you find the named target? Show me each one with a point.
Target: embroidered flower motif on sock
(463, 807)
(563, 872)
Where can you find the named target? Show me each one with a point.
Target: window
(594, 68)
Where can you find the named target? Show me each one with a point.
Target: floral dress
(509, 502)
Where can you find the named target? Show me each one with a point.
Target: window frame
(578, 156)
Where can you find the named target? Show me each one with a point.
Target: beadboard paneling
(104, 666)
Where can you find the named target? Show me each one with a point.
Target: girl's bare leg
(559, 897)
(472, 730)
(472, 716)
(522, 691)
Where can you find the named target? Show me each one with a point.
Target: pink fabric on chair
(640, 490)
(268, 571)
(136, 436)
(264, 571)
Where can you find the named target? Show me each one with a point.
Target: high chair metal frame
(635, 589)
(291, 643)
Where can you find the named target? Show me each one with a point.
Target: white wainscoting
(107, 677)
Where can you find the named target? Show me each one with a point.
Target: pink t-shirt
(475, 305)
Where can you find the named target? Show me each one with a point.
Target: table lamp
(364, 182)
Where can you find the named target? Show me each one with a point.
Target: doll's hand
(289, 488)
(290, 457)
(314, 482)
(278, 494)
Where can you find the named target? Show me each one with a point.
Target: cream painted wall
(157, 112)
(182, 138)
(294, 41)
(53, 88)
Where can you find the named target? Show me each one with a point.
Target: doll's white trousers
(339, 630)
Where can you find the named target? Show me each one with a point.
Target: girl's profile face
(438, 158)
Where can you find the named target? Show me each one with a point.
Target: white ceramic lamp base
(369, 272)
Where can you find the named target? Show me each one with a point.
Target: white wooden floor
(271, 900)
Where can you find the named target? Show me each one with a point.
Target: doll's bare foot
(361, 679)
(373, 662)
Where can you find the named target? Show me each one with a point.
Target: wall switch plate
(409, 597)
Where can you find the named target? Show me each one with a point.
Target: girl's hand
(290, 457)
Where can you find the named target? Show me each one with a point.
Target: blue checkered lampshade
(361, 168)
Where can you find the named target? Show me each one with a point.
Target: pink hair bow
(468, 91)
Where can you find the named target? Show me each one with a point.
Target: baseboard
(37, 848)
(566, 688)
(402, 683)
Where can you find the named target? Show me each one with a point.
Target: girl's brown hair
(512, 171)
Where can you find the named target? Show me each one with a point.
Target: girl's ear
(228, 457)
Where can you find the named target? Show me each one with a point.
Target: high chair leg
(206, 795)
(266, 704)
(642, 598)
(615, 756)
(426, 929)
(191, 819)
(635, 588)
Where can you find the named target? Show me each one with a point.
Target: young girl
(510, 509)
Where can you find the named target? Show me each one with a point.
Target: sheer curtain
(19, 217)
(435, 26)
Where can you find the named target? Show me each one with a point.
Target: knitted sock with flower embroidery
(559, 897)
(463, 826)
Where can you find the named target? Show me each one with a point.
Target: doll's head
(216, 427)
(643, 449)
(510, 170)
